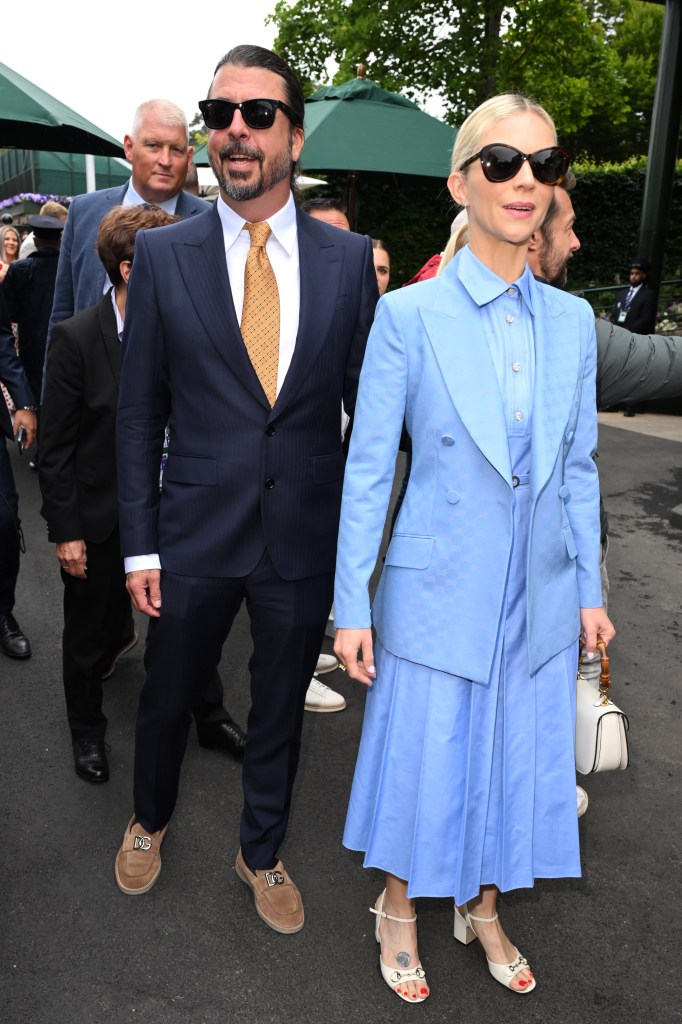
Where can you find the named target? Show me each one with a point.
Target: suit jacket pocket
(191, 469)
(410, 551)
(328, 469)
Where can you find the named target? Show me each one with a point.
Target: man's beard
(553, 269)
(278, 169)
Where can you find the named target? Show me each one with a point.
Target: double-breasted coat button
(564, 491)
(453, 497)
(447, 440)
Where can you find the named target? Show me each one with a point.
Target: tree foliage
(590, 62)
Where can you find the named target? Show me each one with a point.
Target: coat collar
(450, 318)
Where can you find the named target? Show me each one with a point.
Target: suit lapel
(557, 363)
(468, 371)
(112, 345)
(320, 265)
(204, 271)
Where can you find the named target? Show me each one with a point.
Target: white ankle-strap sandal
(391, 975)
(504, 973)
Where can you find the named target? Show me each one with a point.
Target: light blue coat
(441, 595)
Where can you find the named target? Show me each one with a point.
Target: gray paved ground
(605, 948)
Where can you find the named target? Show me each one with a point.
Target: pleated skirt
(459, 784)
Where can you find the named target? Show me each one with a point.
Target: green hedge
(413, 216)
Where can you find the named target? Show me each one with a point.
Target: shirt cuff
(137, 562)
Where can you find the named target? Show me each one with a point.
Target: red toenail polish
(424, 992)
(413, 996)
(521, 983)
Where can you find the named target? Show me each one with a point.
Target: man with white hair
(158, 150)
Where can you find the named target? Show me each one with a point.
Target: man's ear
(535, 241)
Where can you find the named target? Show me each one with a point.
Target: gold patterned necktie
(260, 312)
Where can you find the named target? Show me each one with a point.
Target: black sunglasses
(501, 163)
(218, 114)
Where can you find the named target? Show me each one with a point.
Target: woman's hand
(595, 621)
(347, 645)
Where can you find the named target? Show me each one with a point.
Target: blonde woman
(465, 779)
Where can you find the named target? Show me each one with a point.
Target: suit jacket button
(270, 430)
(564, 492)
(269, 483)
(447, 440)
(453, 497)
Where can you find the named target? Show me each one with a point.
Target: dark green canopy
(358, 126)
(32, 119)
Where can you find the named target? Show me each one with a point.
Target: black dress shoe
(225, 735)
(90, 760)
(12, 641)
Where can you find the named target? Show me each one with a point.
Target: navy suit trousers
(184, 646)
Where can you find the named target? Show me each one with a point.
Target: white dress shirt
(282, 250)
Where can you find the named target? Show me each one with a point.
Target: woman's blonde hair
(482, 118)
(458, 239)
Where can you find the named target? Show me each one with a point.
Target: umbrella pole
(352, 199)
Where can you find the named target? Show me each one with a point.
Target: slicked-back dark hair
(246, 56)
(313, 203)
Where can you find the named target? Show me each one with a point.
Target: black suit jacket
(78, 427)
(240, 476)
(29, 290)
(641, 314)
(11, 372)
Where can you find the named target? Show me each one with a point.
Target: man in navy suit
(158, 150)
(13, 642)
(252, 488)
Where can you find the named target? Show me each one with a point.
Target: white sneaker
(321, 698)
(325, 663)
(582, 799)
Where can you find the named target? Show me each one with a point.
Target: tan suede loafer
(277, 899)
(138, 862)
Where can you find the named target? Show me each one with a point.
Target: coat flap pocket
(191, 469)
(570, 542)
(328, 469)
(86, 474)
(410, 551)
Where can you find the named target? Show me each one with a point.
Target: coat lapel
(557, 364)
(320, 263)
(468, 370)
(112, 346)
(204, 271)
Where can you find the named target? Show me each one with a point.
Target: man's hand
(27, 420)
(595, 621)
(144, 587)
(72, 555)
(347, 645)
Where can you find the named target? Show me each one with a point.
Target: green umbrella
(358, 127)
(32, 119)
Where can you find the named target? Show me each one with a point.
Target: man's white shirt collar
(282, 224)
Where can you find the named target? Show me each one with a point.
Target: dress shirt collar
(131, 198)
(282, 224)
(117, 314)
(484, 285)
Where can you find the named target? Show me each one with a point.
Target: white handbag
(601, 728)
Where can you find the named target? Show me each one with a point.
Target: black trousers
(9, 530)
(184, 646)
(97, 619)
